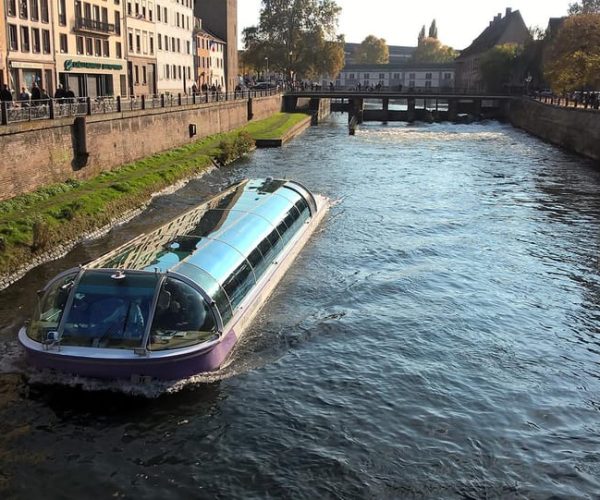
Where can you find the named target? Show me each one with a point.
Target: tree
(498, 66)
(297, 37)
(584, 7)
(421, 36)
(431, 50)
(372, 50)
(573, 60)
(433, 31)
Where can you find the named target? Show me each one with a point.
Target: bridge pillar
(356, 110)
(452, 110)
(477, 108)
(386, 110)
(411, 113)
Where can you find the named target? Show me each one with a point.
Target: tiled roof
(492, 34)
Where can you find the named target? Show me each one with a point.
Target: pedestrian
(36, 95)
(331, 86)
(5, 94)
(44, 96)
(70, 95)
(194, 89)
(60, 92)
(24, 96)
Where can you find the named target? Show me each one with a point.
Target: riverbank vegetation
(33, 224)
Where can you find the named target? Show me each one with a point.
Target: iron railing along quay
(50, 109)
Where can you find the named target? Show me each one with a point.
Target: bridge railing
(50, 109)
(350, 90)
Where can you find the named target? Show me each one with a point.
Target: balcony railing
(87, 24)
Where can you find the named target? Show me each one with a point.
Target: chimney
(508, 11)
(499, 16)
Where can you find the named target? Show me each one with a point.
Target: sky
(459, 22)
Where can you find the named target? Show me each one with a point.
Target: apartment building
(3, 78)
(209, 59)
(89, 39)
(220, 18)
(29, 44)
(141, 47)
(174, 36)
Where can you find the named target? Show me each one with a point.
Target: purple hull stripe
(173, 368)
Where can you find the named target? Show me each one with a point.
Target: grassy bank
(275, 126)
(32, 224)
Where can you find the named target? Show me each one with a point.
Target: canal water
(438, 338)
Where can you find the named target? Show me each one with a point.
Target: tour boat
(172, 303)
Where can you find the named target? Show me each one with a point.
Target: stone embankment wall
(36, 154)
(577, 130)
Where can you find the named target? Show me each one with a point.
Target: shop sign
(70, 64)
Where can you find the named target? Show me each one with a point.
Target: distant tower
(220, 18)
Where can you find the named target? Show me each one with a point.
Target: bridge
(386, 105)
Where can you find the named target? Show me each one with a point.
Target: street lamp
(267, 60)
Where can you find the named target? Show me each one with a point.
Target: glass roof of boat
(216, 236)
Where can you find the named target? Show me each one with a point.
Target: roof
(399, 67)
(207, 34)
(492, 35)
(393, 49)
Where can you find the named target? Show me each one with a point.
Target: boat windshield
(182, 318)
(50, 308)
(109, 310)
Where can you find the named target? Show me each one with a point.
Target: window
(411, 76)
(79, 43)
(128, 8)
(62, 13)
(117, 22)
(165, 16)
(137, 74)
(152, 44)
(63, 43)
(23, 13)
(106, 48)
(167, 71)
(34, 10)
(130, 41)
(118, 50)
(427, 76)
(97, 47)
(138, 43)
(13, 40)
(428, 83)
(144, 75)
(46, 41)
(89, 46)
(382, 76)
(44, 9)
(447, 76)
(11, 7)
(396, 76)
(36, 44)
(158, 12)
(24, 39)
(159, 39)
(182, 318)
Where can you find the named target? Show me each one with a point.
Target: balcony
(92, 26)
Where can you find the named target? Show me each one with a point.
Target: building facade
(220, 18)
(89, 47)
(141, 47)
(209, 60)
(175, 60)
(502, 30)
(399, 54)
(3, 78)
(29, 44)
(405, 77)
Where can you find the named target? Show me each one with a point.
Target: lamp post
(267, 61)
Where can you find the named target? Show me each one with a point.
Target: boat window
(109, 310)
(239, 282)
(50, 308)
(210, 286)
(182, 318)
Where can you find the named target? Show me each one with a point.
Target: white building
(141, 47)
(174, 36)
(407, 77)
